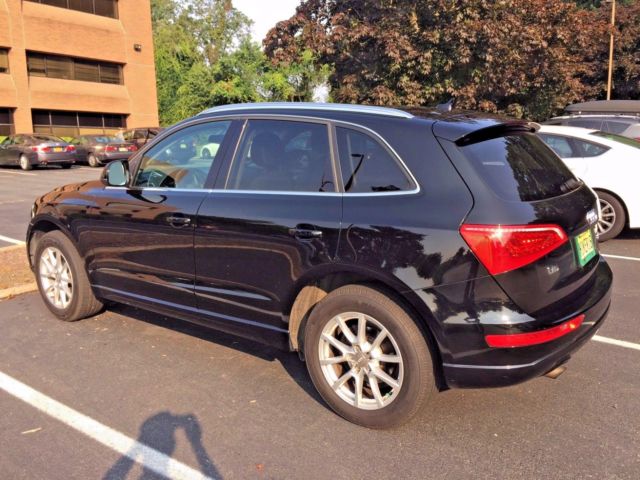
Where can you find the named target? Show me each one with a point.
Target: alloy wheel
(361, 361)
(56, 278)
(607, 217)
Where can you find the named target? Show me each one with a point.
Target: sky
(265, 14)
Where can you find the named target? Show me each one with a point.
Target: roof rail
(326, 107)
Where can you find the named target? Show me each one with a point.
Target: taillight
(110, 148)
(534, 338)
(70, 148)
(133, 148)
(502, 248)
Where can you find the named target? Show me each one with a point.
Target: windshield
(617, 138)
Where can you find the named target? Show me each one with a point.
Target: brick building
(71, 67)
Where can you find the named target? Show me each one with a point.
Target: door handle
(305, 233)
(178, 221)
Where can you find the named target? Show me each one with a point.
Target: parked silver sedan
(29, 150)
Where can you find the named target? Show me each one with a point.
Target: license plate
(58, 149)
(585, 247)
(122, 149)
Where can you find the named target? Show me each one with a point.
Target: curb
(19, 290)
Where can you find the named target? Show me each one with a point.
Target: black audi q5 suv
(399, 252)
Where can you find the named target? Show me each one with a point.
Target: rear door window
(586, 123)
(284, 156)
(520, 167)
(367, 166)
(588, 149)
(615, 127)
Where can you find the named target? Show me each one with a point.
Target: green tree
(524, 57)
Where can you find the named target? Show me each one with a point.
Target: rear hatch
(532, 224)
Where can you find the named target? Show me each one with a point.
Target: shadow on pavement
(290, 361)
(158, 432)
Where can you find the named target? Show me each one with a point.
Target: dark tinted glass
(367, 166)
(585, 123)
(107, 8)
(520, 167)
(615, 127)
(114, 121)
(41, 117)
(68, 119)
(87, 71)
(90, 119)
(59, 67)
(55, 3)
(81, 5)
(177, 161)
(36, 65)
(286, 156)
(110, 73)
(5, 116)
(4, 60)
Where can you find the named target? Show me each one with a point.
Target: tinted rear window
(520, 167)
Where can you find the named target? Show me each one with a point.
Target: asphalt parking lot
(87, 397)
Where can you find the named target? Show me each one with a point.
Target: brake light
(110, 148)
(133, 148)
(70, 148)
(502, 248)
(534, 338)
(41, 149)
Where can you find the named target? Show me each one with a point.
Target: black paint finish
(235, 260)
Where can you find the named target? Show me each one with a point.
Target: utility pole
(613, 23)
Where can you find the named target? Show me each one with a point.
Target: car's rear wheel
(367, 357)
(25, 164)
(62, 279)
(93, 161)
(612, 217)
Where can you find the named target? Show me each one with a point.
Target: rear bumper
(56, 158)
(109, 157)
(503, 367)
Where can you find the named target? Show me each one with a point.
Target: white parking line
(619, 343)
(146, 456)
(621, 257)
(17, 173)
(11, 240)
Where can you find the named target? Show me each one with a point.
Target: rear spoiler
(496, 131)
(466, 131)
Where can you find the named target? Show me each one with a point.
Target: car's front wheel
(367, 357)
(62, 278)
(612, 217)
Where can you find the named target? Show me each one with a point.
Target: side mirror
(116, 174)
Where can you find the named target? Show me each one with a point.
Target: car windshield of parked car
(617, 138)
(520, 167)
(47, 138)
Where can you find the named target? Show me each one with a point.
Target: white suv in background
(608, 163)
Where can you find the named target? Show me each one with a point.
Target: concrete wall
(26, 25)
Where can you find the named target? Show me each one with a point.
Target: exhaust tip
(555, 373)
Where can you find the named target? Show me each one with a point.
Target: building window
(72, 124)
(6, 123)
(69, 68)
(105, 8)
(4, 60)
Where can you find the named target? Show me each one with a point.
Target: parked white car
(608, 163)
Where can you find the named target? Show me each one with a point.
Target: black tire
(608, 204)
(25, 164)
(418, 380)
(93, 161)
(83, 302)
